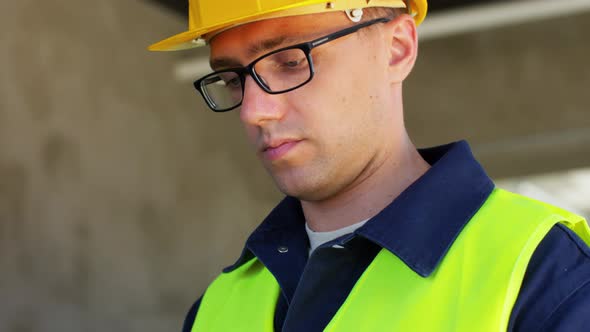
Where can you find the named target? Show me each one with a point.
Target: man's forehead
(280, 24)
(251, 50)
(256, 38)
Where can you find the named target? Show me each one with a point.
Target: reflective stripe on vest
(473, 289)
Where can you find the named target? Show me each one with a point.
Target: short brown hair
(378, 12)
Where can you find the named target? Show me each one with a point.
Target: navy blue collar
(419, 226)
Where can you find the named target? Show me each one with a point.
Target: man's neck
(372, 193)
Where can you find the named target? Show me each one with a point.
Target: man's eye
(292, 63)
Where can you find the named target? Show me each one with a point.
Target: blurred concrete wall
(121, 196)
(519, 93)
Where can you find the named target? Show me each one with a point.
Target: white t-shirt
(316, 239)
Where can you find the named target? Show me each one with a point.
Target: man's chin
(302, 189)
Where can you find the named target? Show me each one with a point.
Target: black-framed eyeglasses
(279, 71)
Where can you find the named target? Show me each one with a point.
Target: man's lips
(277, 149)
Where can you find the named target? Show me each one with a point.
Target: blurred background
(121, 196)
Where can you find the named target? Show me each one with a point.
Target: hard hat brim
(181, 41)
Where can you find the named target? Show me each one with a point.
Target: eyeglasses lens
(284, 70)
(223, 90)
(277, 72)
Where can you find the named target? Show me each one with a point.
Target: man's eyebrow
(224, 62)
(269, 44)
(254, 49)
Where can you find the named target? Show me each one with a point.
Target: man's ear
(403, 50)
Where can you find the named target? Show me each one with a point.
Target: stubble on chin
(295, 183)
(306, 184)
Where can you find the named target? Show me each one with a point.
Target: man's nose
(259, 106)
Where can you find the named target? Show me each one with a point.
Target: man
(373, 235)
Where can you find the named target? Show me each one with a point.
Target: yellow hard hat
(206, 16)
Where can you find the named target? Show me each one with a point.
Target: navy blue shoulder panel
(555, 294)
(189, 320)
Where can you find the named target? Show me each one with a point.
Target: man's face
(316, 141)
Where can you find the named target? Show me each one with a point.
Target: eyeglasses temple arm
(346, 31)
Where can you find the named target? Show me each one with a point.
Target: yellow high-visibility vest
(473, 289)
